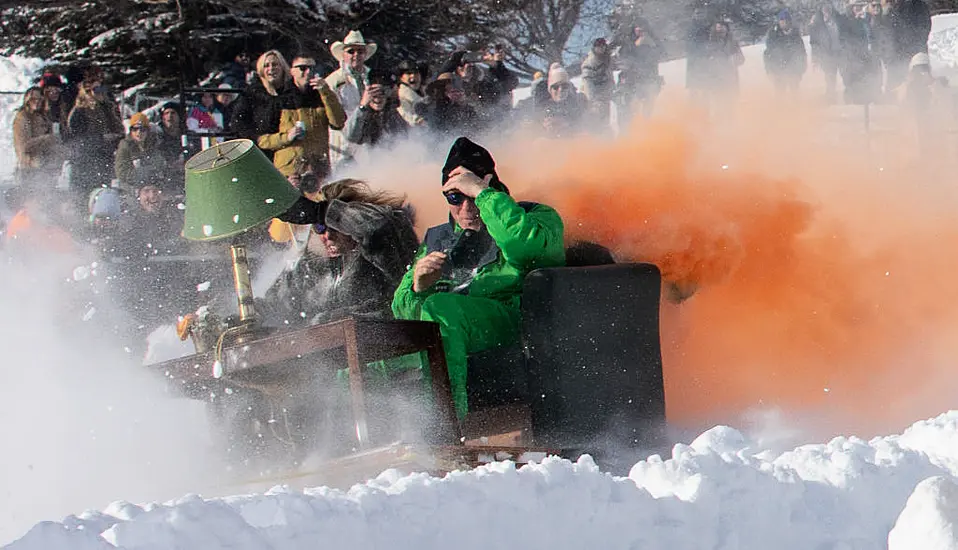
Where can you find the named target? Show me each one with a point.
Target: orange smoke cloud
(823, 278)
(822, 262)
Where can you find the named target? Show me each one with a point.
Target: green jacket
(527, 236)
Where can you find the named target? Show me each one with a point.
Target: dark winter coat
(597, 77)
(859, 67)
(172, 146)
(360, 282)
(446, 117)
(695, 63)
(720, 64)
(366, 126)
(493, 82)
(570, 114)
(90, 151)
(144, 234)
(785, 53)
(910, 21)
(154, 167)
(234, 74)
(640, 71)
(825, 40)
(59, 112)
(639, 63)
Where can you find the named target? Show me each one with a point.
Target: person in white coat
(349, 82)
(412, 93)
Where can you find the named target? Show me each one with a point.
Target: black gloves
(305, 212)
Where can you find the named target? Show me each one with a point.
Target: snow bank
(930, 518)
(717, 492)
(16, 75)
(943, 45)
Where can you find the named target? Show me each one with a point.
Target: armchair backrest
(593, 355)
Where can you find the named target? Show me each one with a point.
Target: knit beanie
(474, 158)
(139, 119)
(557, 74)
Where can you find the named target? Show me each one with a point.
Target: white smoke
(84, 422)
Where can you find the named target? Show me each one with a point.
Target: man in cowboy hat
(469, 272)
(349, 82)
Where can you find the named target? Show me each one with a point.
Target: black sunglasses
(455, 198)
(305, 68)
(319, 228)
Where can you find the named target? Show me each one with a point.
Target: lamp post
(231, 188)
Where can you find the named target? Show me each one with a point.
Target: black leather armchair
(589, 363)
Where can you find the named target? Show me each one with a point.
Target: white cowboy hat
(354, 38)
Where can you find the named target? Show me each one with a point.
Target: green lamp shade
(230, 188)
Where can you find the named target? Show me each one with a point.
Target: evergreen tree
(163, 43)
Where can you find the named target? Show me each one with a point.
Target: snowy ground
(717, 493)
(725, 490)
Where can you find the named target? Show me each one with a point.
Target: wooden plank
(284, 346)
(356, 391)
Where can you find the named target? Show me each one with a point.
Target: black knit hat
(472, 157)
(50, 79)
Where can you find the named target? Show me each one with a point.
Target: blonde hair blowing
(352, 190)
(261, 69)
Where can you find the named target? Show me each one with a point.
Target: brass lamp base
(241, 332)
(247, 326)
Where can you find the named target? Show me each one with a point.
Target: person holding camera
(349, 82)
(469, 272)
(486, 82)
(377, 119)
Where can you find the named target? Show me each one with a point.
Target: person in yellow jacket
(288, 113)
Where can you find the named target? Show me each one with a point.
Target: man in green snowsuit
(468, 273)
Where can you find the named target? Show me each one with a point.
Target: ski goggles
(455, 198)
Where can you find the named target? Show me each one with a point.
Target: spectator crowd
(122, 176)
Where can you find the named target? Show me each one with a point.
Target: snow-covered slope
(715, 493)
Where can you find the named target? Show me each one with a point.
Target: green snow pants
(469, 325)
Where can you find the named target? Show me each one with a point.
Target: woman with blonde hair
(259, 110)
(36, 145)
(357, 254)
(273, 71)
(95, 130)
